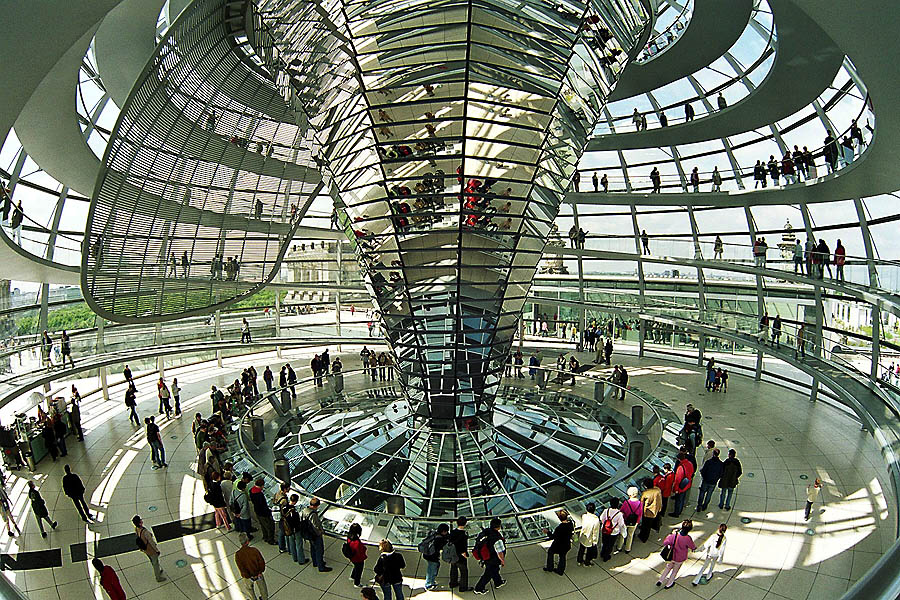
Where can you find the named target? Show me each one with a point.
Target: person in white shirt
(714, 550)
(612, 526)
(812, 494)
(589, 536)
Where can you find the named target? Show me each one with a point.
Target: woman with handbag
(675, 551)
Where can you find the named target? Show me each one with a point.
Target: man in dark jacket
(263, 512)
(74, 489)
(268, 377)
(459, 570)
(731, 473)
(433, 559)
(711, 473)
(562, 542)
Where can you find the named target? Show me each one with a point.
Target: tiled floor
(779, 436)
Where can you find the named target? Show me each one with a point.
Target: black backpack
(139, 541)
(346, 550)
(306, 529)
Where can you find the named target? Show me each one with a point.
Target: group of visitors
(716, 377)
(60, 352)
(377, 365)
(816, 258)
(577, 237)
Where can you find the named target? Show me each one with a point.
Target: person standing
(75, 415)
(595, 181)
(561, 544)
(490, 549)
(716, 180)
(633, 512)
(240, 506)
(680, 543)
(131, 404)
(262, 510)
(645, 243)
(290, 521)
(812, 494)
(688, 112)
(317, 533)
(684, 474)
(604, 183)
(251, 566)
(715, 553)
(163, 393)
(711, 474)
(291, 380)
(663, 479)
(355, 551)
(651, 500)
(109, 581)
(776, 331)
(612, 526)
(126, 372)
(17, 218)
(216, 498)
(431, 548)
(176, 396)
(60, 430)
(245, 331)
(459, 568)
(39, 508)
(840, 258)
(65, 347)
(797, 253)
(146, 542)
(74, 489)
(389, 571)
(157, 450)
(731, 473)
(269, 378)
(589, 536)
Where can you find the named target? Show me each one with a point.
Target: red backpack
(608, 525)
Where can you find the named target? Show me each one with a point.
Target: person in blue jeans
(711, 473)
(433, 559)
(290, 519)
(317, 541)
(731, 473)
(389, 571)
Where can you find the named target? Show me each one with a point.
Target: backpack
(449, 554)
(608, 525)
(306, 529)
(346, 550)
(631, 518)
(139, 542)
(482, 550)
(235, 506)
(428, 546)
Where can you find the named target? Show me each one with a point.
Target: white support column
(160, 363)
(101, 348)
(337, 295)
(278, 321)
(876, 339)
(218, 322)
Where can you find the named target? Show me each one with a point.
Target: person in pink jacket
(681, 543)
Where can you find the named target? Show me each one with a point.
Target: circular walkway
(782, 440)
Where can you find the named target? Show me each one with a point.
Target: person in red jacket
(109, 580)
(840, 257)
(684, 475)
(664, 480)
(358, 553)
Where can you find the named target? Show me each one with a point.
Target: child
(812, 494)
(715, 553)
